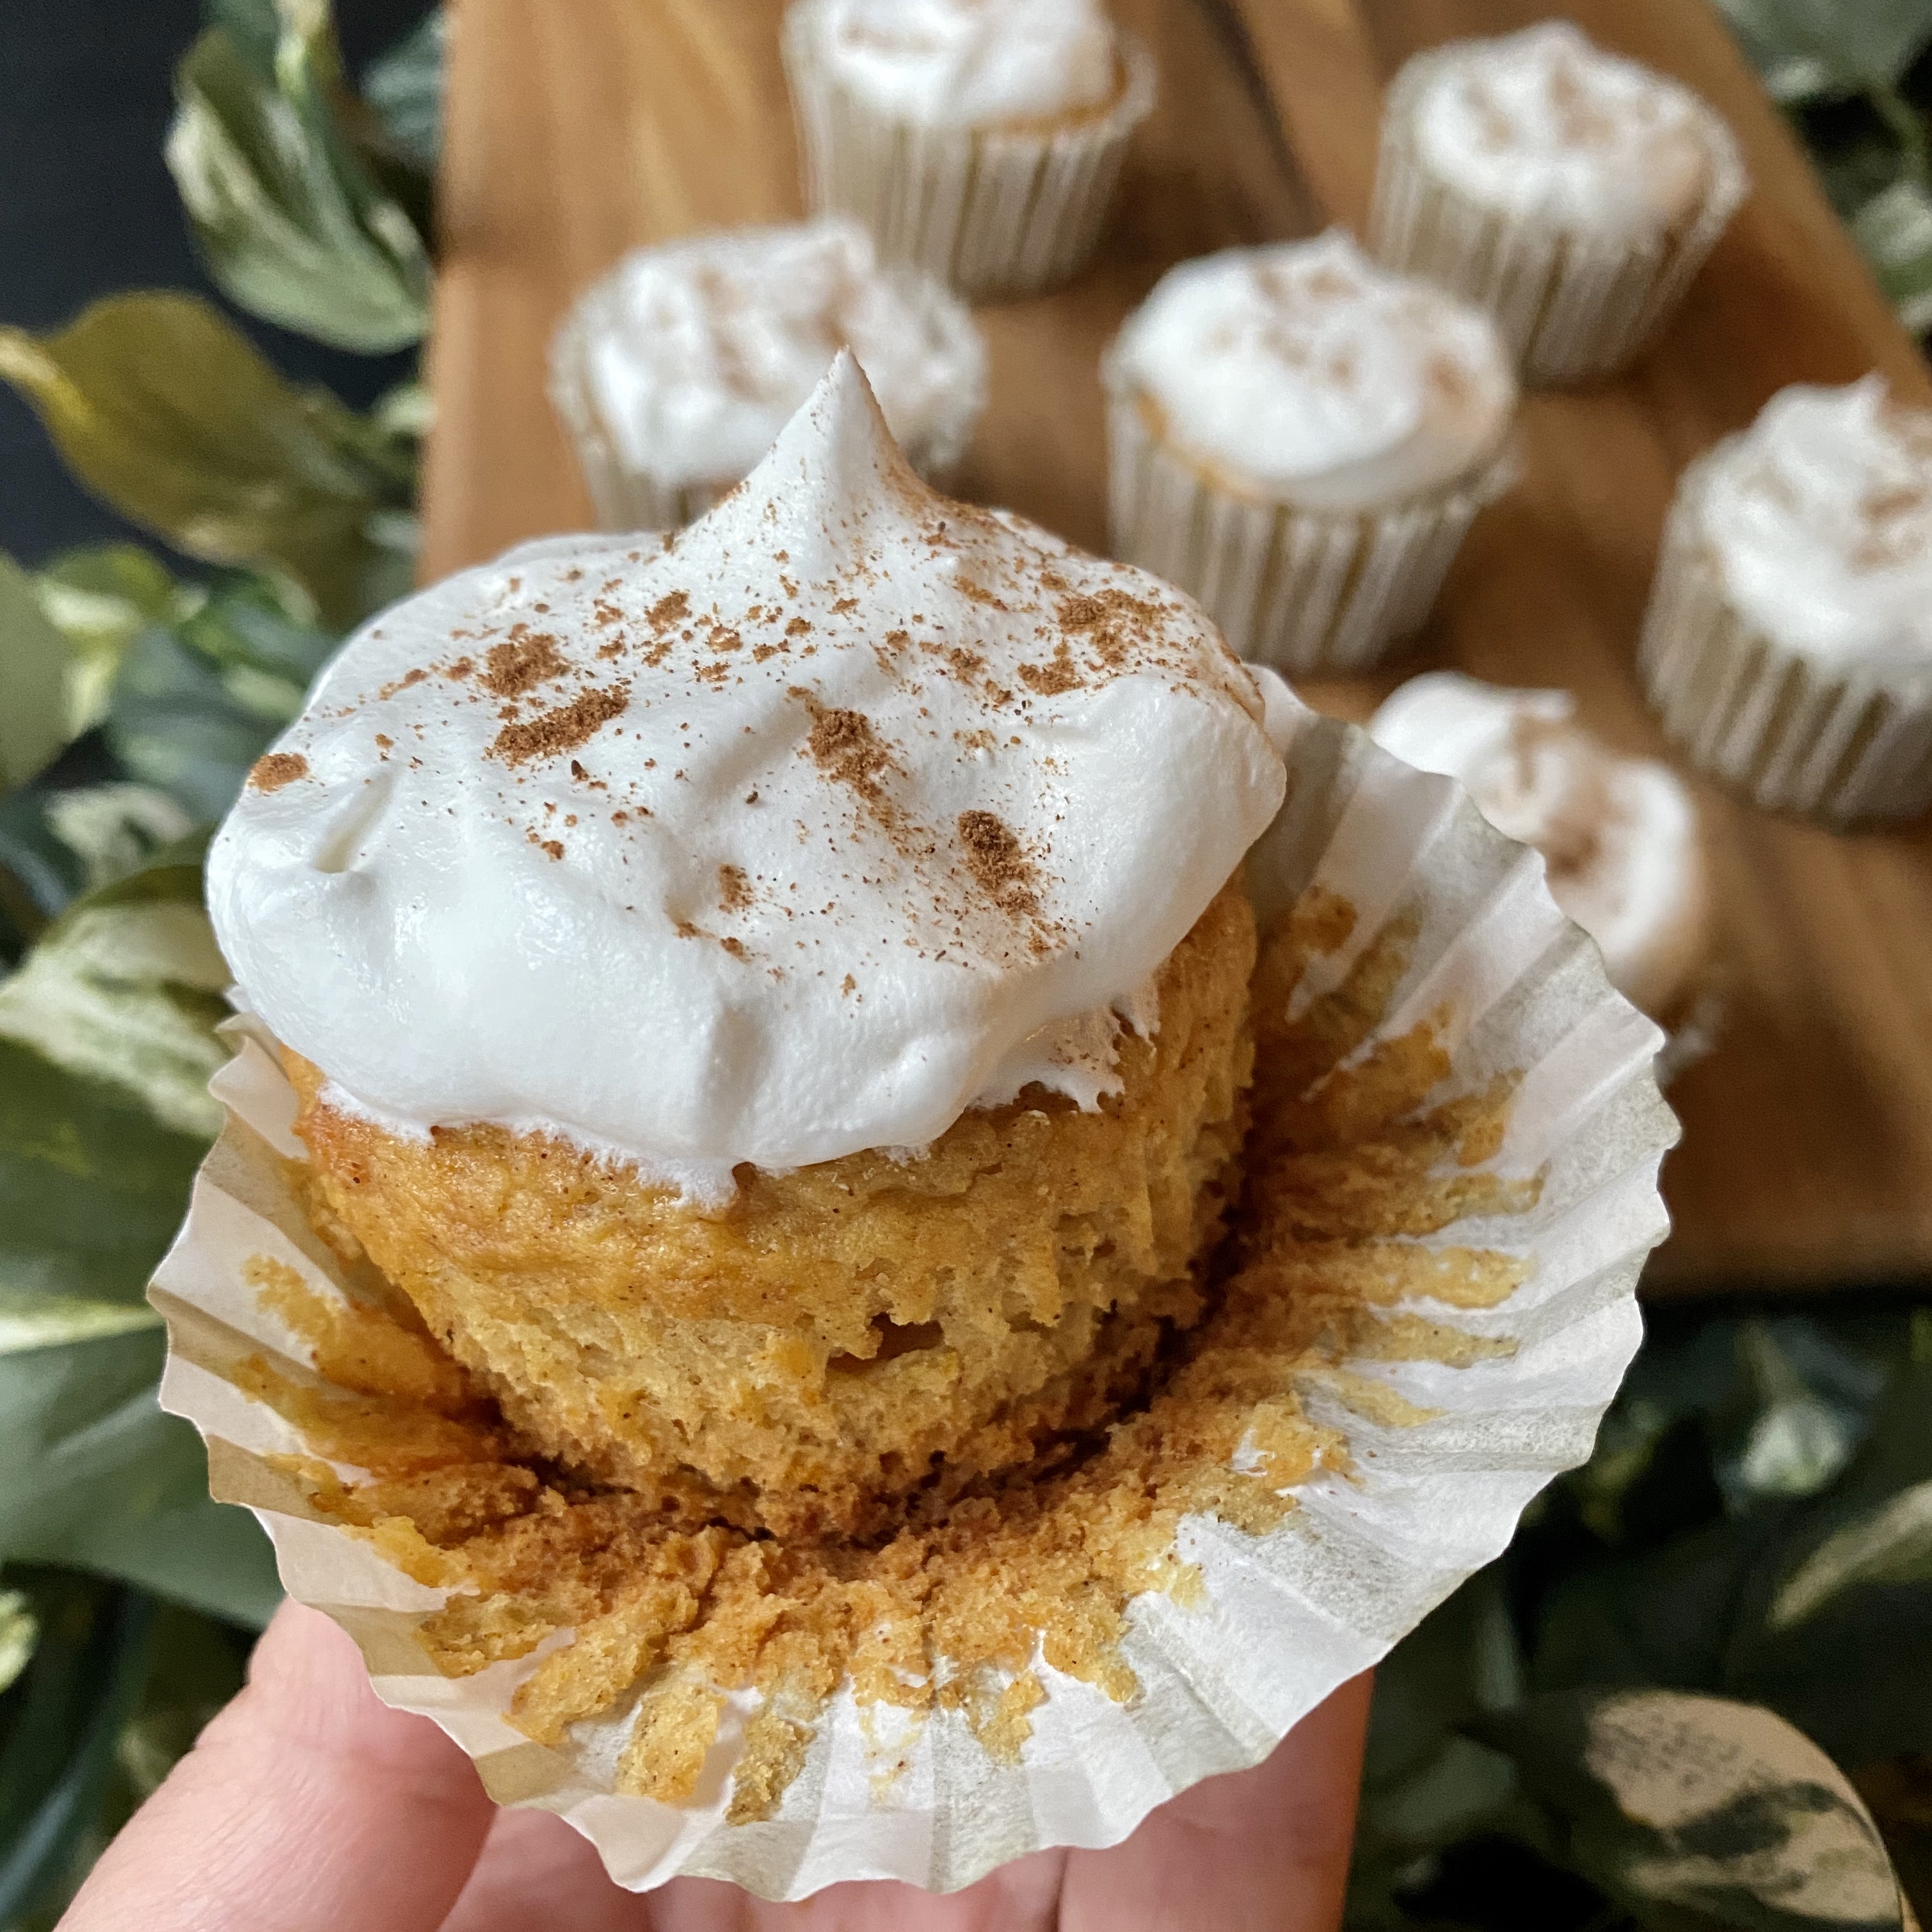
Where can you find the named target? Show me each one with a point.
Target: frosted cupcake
(1788, 646)
(1618, 836)
(690, 958)
(1572, 193)
(675, 372)
(978, 140)
(1300, 439)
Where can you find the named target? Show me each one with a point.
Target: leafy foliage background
(1696, 1692)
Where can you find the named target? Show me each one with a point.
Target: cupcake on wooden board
(675, 372)
(1788, 645)
(1300, 439)
(691, 958)
(1619, 836)
(980, 140)
(1573, 193)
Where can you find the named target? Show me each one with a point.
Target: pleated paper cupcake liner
(1403, 889)
(1838, 744)
(1305, 591)
(628, 496)
(993, 211)
(1573, 306)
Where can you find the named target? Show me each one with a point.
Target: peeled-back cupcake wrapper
(627, 497)
(993, 211)
(1571, 306)
(1305, 591)
(1511, 989)
(1835, 744)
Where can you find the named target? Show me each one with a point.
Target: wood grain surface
(578, 128)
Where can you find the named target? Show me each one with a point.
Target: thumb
(307, 1805)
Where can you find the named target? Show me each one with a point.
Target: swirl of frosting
(970, 63)
(699, 353)
(1618, 835)
(1543, 123)
(783, 837)
(1304, 371)
(1818, 517)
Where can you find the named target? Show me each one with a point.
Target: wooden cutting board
(578, 128)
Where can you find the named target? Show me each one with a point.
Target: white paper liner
(1288, 1616)
(1838, 743)
(1305, 591)
(994, 211)
(627, 497)
(1573, 306)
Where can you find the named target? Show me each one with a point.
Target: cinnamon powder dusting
(524, 659)
(843, 746)
(999, 865)
(550, 733)
(277, 770)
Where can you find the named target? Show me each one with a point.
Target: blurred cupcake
(1573, 193)
(1788, 646)
(675, 373)
(978, 140)
(1618, 836)
(1299, 440)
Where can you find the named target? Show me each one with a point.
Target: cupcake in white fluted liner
(980, 140)
(877, 1209)
(673, 373)
(1300, 439)
(1573, 193)
(1788, 644)
(1622, 850)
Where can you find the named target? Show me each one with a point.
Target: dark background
(87, 207)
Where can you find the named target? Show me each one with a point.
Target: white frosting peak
(1618, 835)
(970, 63)
(1304, 371)
(1819, 518)
(777, 840)
(1543, 122)
(698, 353)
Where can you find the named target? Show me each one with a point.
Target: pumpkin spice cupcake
(1572, 193)
(1788, 644)
(1300, 439)
(674, 373)
(722, 939)
(980, 140)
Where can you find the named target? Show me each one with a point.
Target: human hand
(309, 1806)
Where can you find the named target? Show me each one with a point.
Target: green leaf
(67, 1711)
(165, 411)
(125, 988)
(1806, 48)
(1893, 230)
(19, 1631)
(33, 668)
(99, 597)
(60, 841)
(1889, 1543)
(404, 87)
(1697, 1812)
(293, 225)
(99, 1478)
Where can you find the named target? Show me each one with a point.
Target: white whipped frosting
(1544, 123)
(1305, 372)
(699, 353)
(1618, 835)
(782, 838)
(970, 63)
(1819, 518)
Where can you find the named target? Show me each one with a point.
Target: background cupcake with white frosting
(1573, 193)
(674, 373)
(978, 140)
(1300, 439)
(1618, 835)
(1788, 646)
